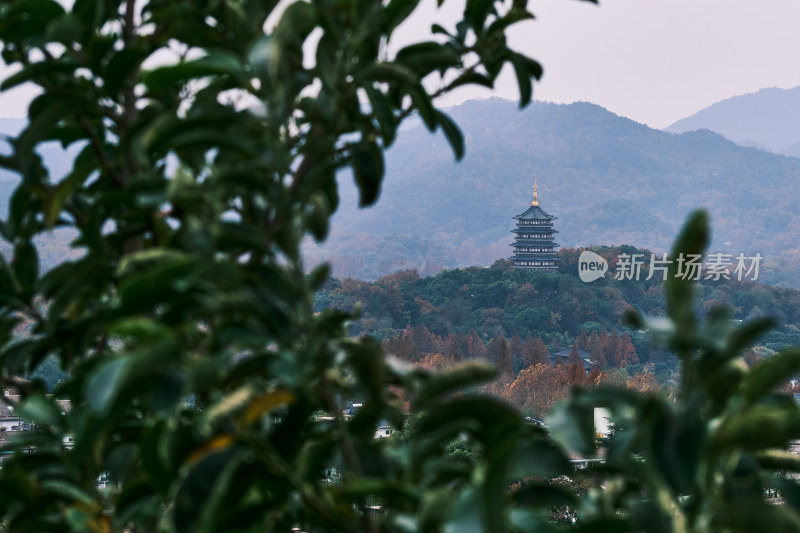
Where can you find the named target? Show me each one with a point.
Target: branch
(97, 148)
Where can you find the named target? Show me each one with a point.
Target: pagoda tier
(534, 247)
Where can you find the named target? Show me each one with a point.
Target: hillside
(768, 119)
(608, 180)
(485, 303)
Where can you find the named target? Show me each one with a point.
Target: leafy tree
(504, 358)
(702, 461)
(536, 353)
(208, 149)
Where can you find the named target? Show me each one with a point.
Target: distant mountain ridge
(608, 179)
(767, 119)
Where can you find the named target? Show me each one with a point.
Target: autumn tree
(625, 353)
(475, 347)
(644, 381)
(575, 368)
(494, 347)
(536, 353)
(504, 358)
(516, 348)
(537, 388)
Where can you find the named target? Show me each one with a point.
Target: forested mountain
(609, 180)
(769, 119)
(513, 318)
(501, 300)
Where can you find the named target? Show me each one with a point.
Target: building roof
(564, 355)
(534, 212)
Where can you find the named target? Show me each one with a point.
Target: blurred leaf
(692, 240)
(368, 169)
(214, 64)
(260, 405)
(769, 373)
(40, 410)
(453, 134)
(760, 427)
(572, 426)
(425, 57)
(40, 69)
(452, 380)
(104, 384)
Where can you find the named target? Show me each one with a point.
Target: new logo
(591, 266)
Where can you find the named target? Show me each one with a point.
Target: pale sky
(657, 61)
(654, 61)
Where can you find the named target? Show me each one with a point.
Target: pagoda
(534, 247)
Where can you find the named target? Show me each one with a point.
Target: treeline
(464, 308)
(530, 377)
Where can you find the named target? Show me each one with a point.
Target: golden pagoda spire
(535, 201)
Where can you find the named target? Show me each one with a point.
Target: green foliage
(198, 368)
(207, 149)
(703, 462)
(507, 301)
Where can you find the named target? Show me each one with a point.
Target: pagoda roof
(534, 212)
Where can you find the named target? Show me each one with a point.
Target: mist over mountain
(608, 179)
(767, 119)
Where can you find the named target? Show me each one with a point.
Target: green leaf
(760, 427)
(297, 22)
(423, 104)
(390, 72)
(482, 416)
(26, 266)
(366, 159)
(141, 328)
(27, 20)
(513, 16)
(572, 426)
(537, 456)
(476, 12)
(382, 111)
(453, 134)
(105, 382)
(751, 515)
(525, 69)
(452, 380)
(65, 29)
(769, 373)
(471, 78)
(216, 64)
(40, 410)
(693, 239)
(40, 69)
(68, 490)
(396, 11)
(466, 515)
(119, 69)
(423, 58)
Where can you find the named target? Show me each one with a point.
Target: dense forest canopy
(558, 308)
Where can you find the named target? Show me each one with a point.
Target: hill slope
(609, 180)
(769, 119)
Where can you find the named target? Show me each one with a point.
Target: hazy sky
(655, 61)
